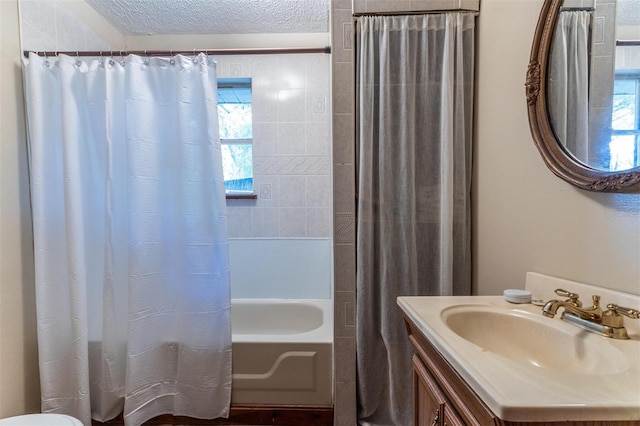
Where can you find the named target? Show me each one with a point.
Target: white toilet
(43, 419)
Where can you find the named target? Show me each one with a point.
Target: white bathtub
(282, 351)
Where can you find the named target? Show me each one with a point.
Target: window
(236, 134)
(625, 140)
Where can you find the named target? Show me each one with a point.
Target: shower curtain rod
(213, 52)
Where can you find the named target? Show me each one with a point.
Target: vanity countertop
(518, 390)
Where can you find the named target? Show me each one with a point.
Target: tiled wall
(344, 214)
(47, 25)
(291, 146)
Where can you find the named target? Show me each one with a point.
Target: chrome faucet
(608, 323)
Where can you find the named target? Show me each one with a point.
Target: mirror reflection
(594, 82)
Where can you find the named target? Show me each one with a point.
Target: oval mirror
(583, 92)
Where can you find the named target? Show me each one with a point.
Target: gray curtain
(569, 82)
(414, 132)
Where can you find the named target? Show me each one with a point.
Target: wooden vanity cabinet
(431, 406)
(442, 397)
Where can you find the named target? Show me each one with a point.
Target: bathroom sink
(526, 367)
(533, 340)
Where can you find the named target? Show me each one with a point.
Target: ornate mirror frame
(556, 158)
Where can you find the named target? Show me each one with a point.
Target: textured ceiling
(148, 17)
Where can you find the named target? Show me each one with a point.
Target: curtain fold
(414, 114)
(130, 237)
(569, 82)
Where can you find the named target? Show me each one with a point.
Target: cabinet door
(451, 418)
(428, 399)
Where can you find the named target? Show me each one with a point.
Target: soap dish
(517, 296)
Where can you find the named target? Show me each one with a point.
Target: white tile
(265, 138)
(268, 190)
(291, 105)
(264, 190)
(278, 71)
(291, 138)
(292, 191)
(240, 222)
(264, 71)
(319, 222)
(318, 106)
(264, 105)
(318, 136)
(318, 191)
(290, 73)
(293, 222)
(233, 65)
(317, 71)
(266, 222)
(292, 165)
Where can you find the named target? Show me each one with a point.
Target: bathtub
(282, 351)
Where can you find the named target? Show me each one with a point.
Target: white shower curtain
(130, 237)
(415, 108)
(569, 82)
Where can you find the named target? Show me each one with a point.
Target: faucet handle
(613, 317)
(572, 297)
(631, 313)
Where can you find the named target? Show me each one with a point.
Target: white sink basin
(527, 367)
(533, 340)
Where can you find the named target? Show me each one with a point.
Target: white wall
(525, 218)
(226, 41)
(19, 382)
